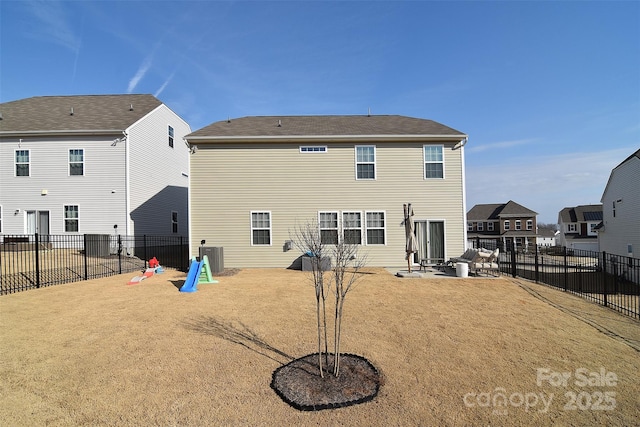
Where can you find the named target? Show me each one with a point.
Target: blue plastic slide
(190, 285)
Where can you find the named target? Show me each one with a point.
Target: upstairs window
(170, 137)
(572, 228)
(529, 224)
(261, 228)
(76, 162)
(174, 221)
(22, 163)
(433, 161)
(375, 228)
(518, 224)
(328, 222)
(469, 226)
(365, 162)
(490, 226)
(507, 225)
(71, 219)
(480, 226)
(352, 228)
(313, 148)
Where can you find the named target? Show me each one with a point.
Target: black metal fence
(610, 280)
(32, 261)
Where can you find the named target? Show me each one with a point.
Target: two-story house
(253, 179)
(506, 225)
(100, 164)
(620, 230)
(578, 227)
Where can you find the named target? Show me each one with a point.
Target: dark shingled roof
(90, 113)
(495, 211)
(581, 213)
(288, 126)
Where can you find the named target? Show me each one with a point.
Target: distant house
(98, 164)
(546, 237)
(578, 227)
(506, 225)
(254, 178)
(620, 231)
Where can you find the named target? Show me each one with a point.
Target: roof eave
(61, 132)
(326, 138)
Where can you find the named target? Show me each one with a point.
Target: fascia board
(327, 138)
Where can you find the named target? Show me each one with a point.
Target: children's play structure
(154, 268)
(199, 273)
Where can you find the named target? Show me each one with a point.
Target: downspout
(461, 145)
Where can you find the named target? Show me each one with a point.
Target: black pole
(566, 268)
(513, 260)
(119, 254)
(86, 269)
(604, 277)
(37, 260)
(537, 268)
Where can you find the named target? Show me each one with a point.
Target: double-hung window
(171, 136)
(260, 228)
(22, 163)
(518, 224)
(328, 222)
(480, 226)
(469, 226)
(76, 162)
(365, 162)
(375, 223)
(71, 218)
(433, 161)
(490, 226)
(529, 224)
(507, 225)
(352, 227)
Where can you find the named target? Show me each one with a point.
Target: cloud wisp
(501, 144)
(142, 71)
(54, 25)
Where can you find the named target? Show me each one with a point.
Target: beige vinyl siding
(158, 174)
(228, 181)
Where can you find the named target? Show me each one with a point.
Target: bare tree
(306, 237)
(347, 265)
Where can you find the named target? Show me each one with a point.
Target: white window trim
(320, 228)
(480, 225)
(490, 226)
(424, 161)
(343, 228)
(313, 149)
(64, 218)
(15, 162)
(529, 224)
(469, 226)
(507, 225)
(384, 228)
(572, 227)
(375, 162)
(261, 228)
(171, 139)
(83, 161)
(518, 225)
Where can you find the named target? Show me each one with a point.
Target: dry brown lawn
(105, 353)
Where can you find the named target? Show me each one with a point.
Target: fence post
(37, 237)
(604, 277)
(513, 261)
(144, 243)
(86, 268)
(536, 262)
(477, 242)
(119, 254)
(566, 268)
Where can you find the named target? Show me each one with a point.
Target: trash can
(462, 269)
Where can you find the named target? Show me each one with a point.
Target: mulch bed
(300, 385)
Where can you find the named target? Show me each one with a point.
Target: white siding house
(254, 178)
(86, 164)
(578, 227)
(620, 230)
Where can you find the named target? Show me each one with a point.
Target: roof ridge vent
(279, 123)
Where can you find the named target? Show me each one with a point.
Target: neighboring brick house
(254, 178)
(620, 231)
(93, 164)
(578, 227)
(503, 224)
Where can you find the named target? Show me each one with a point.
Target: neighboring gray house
(620, 230)
(254, 178)
(86, 164)
(508, 225)
(578, 227)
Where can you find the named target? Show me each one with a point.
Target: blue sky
(548, 92)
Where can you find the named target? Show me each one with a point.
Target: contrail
(144, 67)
